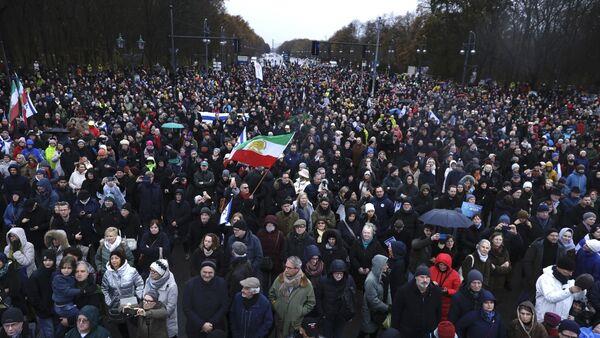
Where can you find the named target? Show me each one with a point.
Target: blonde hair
(111, 230)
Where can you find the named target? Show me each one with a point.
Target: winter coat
(153, 324)
(361, 257)
(286, 222)
(148, 247)
(178, 212)
(464, 301)
(576, 179)
(374, 295)
(105, 218)
(499, 274)
(291, 311)
(449, 279)
(273, 244)
(250, 322)
(588, 262)
(150, 204)
(319, 213)
(240, 268)
(217, 256)
(552, 296)
(63, 289)
(254, 251)
(397, 265)
(97, 331)
(416, 313)
(12, 213)
(475, 325)
(295, 244)
(420, 252)
(103, 255)
(25, 255)
(39, 292)
(167, 295)
(329, 253)
(121, 283)
(204, 302)
(532, 262)
(473, 261)
(516, 328)
(63, 243)
(38, 217)
(335, 300)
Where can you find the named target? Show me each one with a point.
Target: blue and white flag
(433, 117)
(209, 117)
(226, 214)
(243, 137)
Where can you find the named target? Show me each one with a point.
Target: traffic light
(314, 50)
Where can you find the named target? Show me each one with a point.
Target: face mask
(270, 228)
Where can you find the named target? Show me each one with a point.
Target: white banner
(258, 71)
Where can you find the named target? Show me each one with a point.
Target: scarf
(559, 276)
(112, 247)
(365, 244)
(248, 302)
(568, 245)
(289, 284)
(488, 316)
(482, 257)
(4, 270)
(314, 269)
(207, 252)
(159, 283)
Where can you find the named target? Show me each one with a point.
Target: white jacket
(25, 256)
(552, 296)
(167, 295)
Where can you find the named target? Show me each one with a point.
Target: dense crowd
(97, 196)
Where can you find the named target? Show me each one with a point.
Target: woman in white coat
(20, 250)
(163, 281)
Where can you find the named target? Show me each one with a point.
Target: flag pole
(260, 182)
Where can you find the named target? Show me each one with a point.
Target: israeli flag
(242, 138)
(208, 117)
(433, 117)
(226, 214)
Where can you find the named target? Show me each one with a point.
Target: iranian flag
(261, 151)
(14, 102)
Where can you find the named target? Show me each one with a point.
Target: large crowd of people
(98, 197)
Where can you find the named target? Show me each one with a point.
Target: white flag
(258, 71)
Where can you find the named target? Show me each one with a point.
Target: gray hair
(297, 262)
(371, 227)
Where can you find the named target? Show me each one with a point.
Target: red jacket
(448, 279)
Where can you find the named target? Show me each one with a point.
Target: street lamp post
(374, 74)
(468, 49)
(206, 42)
(421, 51)
(131, 55)
(222, 43)
(391, 52)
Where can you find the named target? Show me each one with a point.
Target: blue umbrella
(446, 218)
(172, 125)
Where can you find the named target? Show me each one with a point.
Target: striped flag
(261, 151)
(226, 214)
(243, 137)
(433, 117)
(209, 117)
(14, 102)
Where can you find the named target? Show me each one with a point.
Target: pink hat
(149, 143)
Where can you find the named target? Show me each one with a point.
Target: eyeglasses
(291, 268)
(148, 301)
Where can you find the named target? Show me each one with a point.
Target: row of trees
(60, 32)
(527, 40)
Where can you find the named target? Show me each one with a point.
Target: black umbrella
(446, 218)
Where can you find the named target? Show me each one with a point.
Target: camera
(132, 311)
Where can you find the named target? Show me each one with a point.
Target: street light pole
(206, 41)
(173, 60)
(420, 51)
(468, 48)
(374, 74)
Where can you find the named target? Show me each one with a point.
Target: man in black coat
(417, 306)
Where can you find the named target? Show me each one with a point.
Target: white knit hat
(593, 244)
(161, 266)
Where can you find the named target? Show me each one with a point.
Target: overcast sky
(313, 19)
